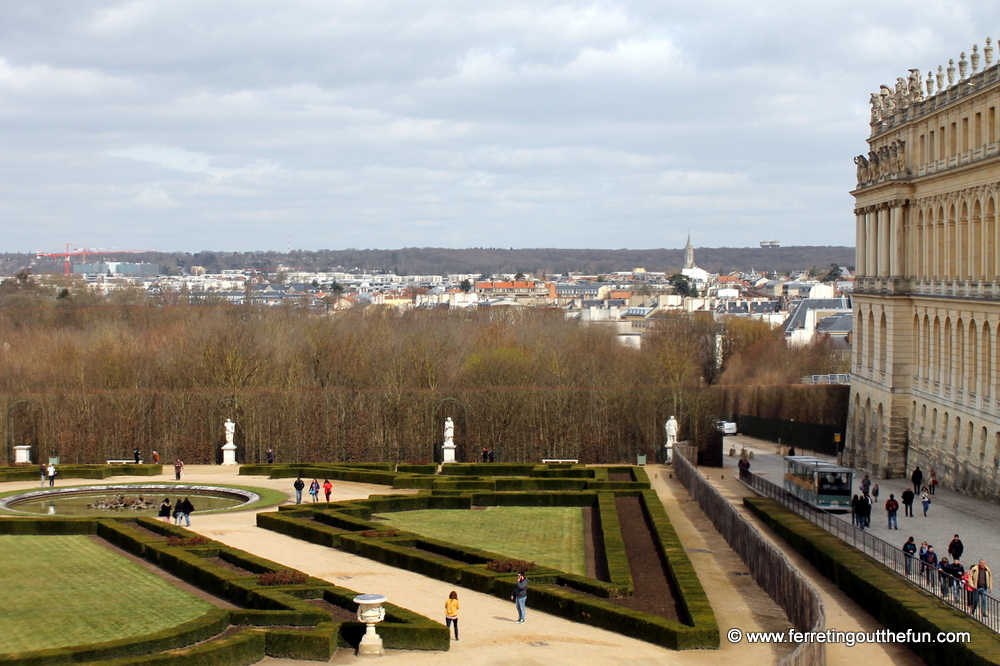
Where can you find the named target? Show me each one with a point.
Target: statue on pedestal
(229, 449)
(449, 440)
(671, 429)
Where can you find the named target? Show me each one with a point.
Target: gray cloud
(186, 125)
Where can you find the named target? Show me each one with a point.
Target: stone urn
(370, 612)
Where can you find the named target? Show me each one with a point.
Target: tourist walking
(909, 549)
(327, 489)
(520, 596)
(270, 456)
(875, 494)
(177, 511)
(186, 510)
(135, 455)
(451, 611)
(930, 559)
(925, 499)
(934, 481)
(178, 469)
(944, 578)
(156, 458)
(956, 571)
(866, 485)
(165, 509)
(956, 548)
(51, 472)
(314, 490)
(856, 511)
(891, 507)
(917, 478)
(981, 580)
(907, 499)
(920, 556)
(866, 510)
(298, 485)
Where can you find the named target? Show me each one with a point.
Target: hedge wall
(890, 599)
(30, 472)
(465, 566)
(261, 606)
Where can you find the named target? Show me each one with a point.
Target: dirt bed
(229, 566)
(339, 614)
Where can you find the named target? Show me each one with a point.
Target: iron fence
(976, 603)
(802, 603)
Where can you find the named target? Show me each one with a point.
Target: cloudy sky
(253, 124)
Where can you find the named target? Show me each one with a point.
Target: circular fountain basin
(74, 501)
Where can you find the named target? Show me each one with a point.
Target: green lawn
(57, 591)
(551, 536)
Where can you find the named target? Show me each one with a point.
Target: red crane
(82, 252)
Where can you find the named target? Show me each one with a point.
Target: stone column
(871, 224)
(883, 240)
(861, 231)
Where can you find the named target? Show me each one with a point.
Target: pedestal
(449, 452)
(229, 454)
(371, 643)
(22, 455)
(670, 454)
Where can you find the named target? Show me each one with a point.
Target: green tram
(818, 482)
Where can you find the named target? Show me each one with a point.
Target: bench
(130, 461)
(575, 461)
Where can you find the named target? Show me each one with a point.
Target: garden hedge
(260, 606)
(465, 566)
(893, 601)
(30, 472)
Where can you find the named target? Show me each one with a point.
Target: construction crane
(82, 252)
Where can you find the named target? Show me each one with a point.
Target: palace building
(925, 386)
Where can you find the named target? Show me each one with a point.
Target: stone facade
(925, 375)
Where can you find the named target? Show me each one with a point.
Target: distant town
(805, 302)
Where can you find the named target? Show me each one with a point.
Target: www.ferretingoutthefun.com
(849, 638)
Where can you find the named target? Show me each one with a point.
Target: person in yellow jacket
(451, 611)
(981, 582)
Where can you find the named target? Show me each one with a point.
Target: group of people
(519, 595)
(48, 472)
(950, 577)
(314, 489)
(488, 455)
(181, 510)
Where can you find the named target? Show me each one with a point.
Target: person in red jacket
(891, 507)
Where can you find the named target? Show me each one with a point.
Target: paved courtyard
(976, 521)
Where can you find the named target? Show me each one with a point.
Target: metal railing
(979, 605)
(801, 601)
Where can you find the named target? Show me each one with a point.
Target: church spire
(689, 254)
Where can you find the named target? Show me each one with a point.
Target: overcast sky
(252, 124)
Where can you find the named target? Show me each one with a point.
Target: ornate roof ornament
(951, 72)
(930, 84)
(975, 58)
(940, 78)
(988, 51)
(963, 67)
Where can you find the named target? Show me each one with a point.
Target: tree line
(92, 381)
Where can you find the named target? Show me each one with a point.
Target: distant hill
(441, 261)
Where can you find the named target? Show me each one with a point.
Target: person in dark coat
(520, 596)
(907, 499)
(909, 550)
(186, 510)
(270, 456)
(298, 485)
(956, 548)
(917, 478)
(135, 454)
(177, 511)
(165, 509)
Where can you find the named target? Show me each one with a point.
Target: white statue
(449, 440)
(229, 449)
(671, 428)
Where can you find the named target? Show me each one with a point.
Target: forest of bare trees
(90, 381)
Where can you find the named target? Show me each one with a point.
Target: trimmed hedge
(30, 472)
(619, 572)
(889, 598)
(262, 606)
(466, 566)
(486, 469)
